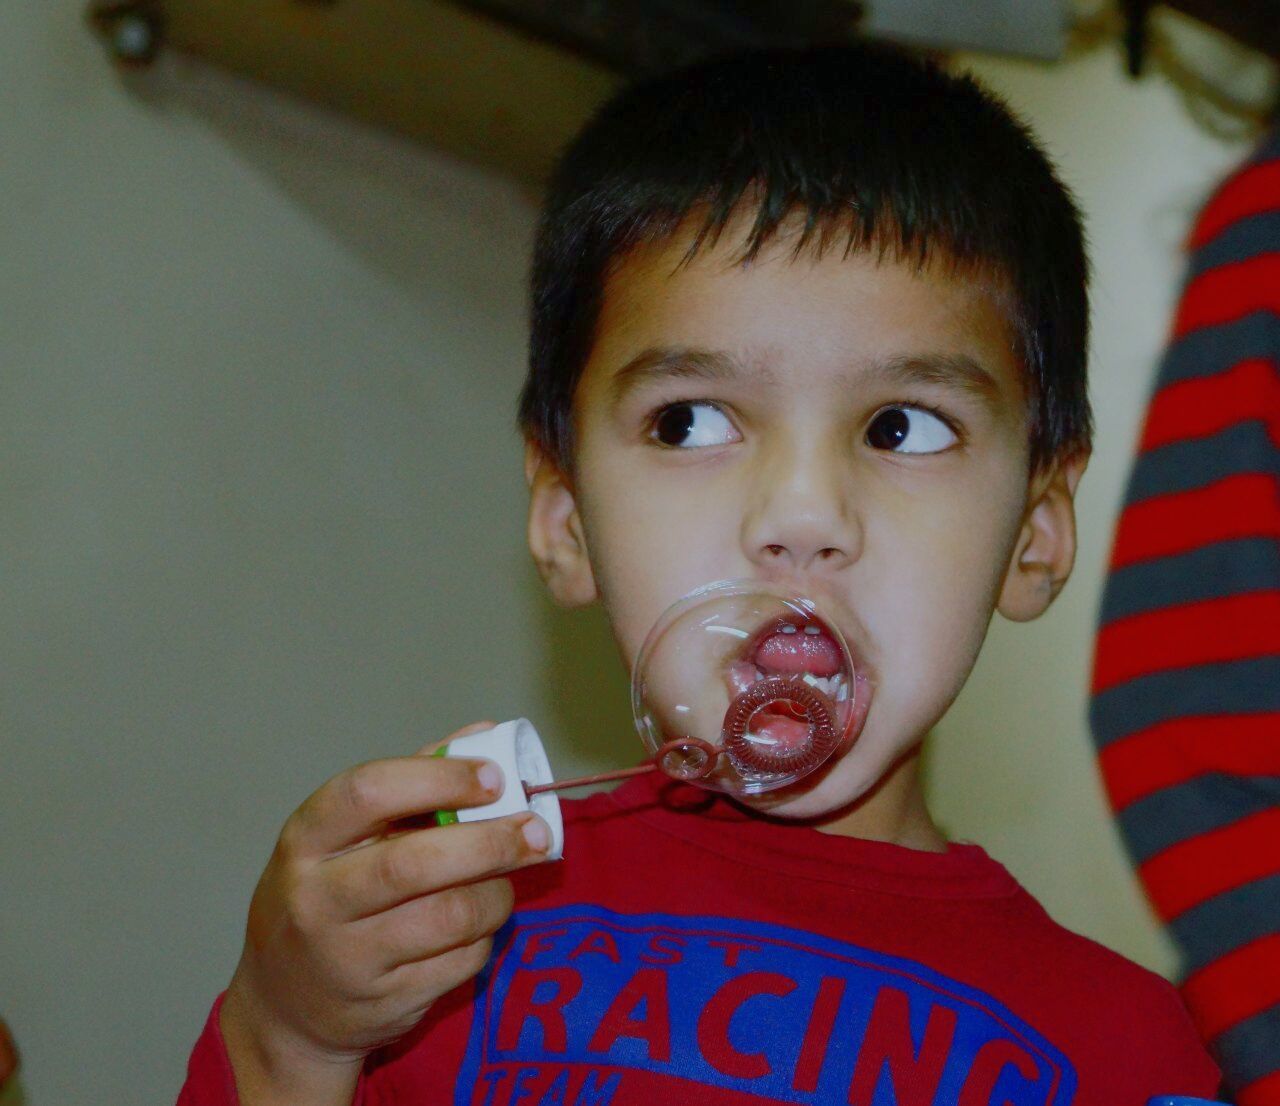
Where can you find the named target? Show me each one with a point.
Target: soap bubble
(743, 689)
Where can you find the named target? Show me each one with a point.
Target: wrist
(273, 1066)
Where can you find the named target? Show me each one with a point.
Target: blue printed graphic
(580, 1006)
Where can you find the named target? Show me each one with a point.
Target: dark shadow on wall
(363, 187)
(359, 183)
(587, 689)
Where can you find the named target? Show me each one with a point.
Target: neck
(893, 811)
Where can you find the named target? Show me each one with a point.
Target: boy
(813, 318)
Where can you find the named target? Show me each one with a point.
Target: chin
(821, 795)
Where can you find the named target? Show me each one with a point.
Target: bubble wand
(786, 673)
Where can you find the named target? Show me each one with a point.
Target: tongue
(817, 654)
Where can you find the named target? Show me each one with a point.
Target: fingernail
(490, 776)
(537, 834)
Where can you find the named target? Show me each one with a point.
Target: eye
(904, 429)
(690, 425)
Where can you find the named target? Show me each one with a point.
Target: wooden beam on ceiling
(1255, 23)
(430, 70)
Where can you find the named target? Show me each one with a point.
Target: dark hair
(867, 142)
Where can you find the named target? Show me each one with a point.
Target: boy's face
(854, 429)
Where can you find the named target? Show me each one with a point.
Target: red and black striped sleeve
(1186, 684)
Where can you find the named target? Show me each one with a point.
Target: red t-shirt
(686, 951)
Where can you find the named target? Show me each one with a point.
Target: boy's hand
(358, 924)
(8, 1055)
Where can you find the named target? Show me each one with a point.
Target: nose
(800, 516)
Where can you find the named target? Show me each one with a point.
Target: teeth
(812, 631)
(831, 686)
(787, 628)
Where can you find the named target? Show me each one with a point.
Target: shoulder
(1101, 971)
(1090, 967)
(1127, 1008)
(1116, 1019)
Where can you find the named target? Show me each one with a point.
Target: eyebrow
(957, 371)
(678, 363)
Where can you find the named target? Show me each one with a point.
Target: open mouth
(794, 647)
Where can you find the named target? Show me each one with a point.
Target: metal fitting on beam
(133, 32)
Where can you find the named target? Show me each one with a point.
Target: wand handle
(582, 781)
(699, 758)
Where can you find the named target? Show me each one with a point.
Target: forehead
(804, 317)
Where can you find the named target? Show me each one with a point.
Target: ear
(1046, 545)
(556, 538)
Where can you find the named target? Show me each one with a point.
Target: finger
(423, 981)
(470, 728)
(426, 821)
(358, 802)
(435, 924)
(380, 876)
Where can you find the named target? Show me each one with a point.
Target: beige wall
(261, 511)
(1012, 765)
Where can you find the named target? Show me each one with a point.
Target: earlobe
(1046, 547)
(556, 538)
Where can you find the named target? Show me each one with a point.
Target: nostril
(776, 550)
(828, 553)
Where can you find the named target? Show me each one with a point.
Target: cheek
(932, 646)
(648, 548)
(946, 580)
